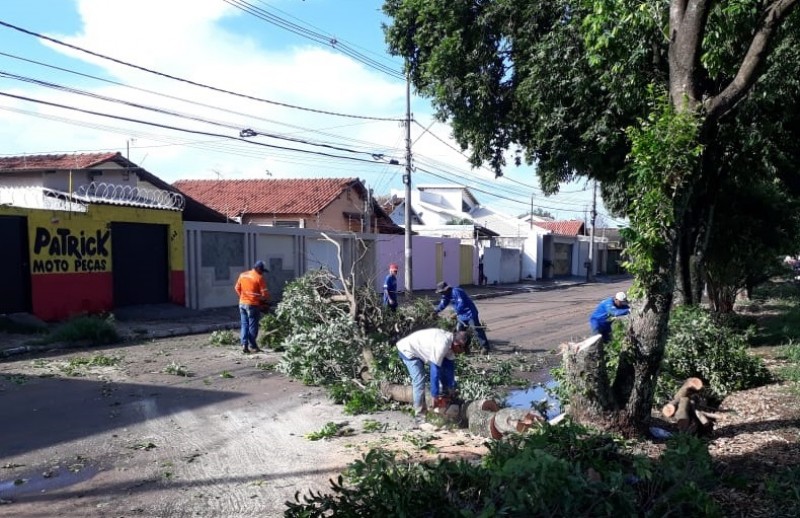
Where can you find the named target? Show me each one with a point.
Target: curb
(187, 330)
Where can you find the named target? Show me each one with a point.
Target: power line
(193, 83)
(184, 100)
(313, 35)
(176, 128)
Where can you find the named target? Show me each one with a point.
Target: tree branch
(747, 75)
(688, 19)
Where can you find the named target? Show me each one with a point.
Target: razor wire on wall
(35, 197)
(126, 195)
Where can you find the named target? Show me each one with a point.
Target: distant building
(342, 204)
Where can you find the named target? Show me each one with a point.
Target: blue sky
(337, 104)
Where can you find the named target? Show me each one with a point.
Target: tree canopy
(675, 106)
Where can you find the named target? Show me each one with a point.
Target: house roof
(270, 196)
(502, 224)
(193, 210)
(57, 162)
(449, 187)
(572, 227)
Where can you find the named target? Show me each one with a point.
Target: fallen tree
(482, 417)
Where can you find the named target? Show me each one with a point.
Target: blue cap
(260, 264)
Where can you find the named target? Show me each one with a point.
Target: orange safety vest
(251, 288)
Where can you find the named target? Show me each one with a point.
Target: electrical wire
(188, 81)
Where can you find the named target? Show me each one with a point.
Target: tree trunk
(585, 366)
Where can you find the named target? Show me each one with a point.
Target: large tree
(641, 95)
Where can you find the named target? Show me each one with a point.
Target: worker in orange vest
(253, 295)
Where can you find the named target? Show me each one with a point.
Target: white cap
(620, 296)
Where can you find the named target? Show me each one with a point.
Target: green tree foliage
(701, 346)
(653, 98)
(555, 471)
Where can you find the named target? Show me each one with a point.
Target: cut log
(684, 415)
(402, 393)
(689, 387)
(480, 422)
(515, 420)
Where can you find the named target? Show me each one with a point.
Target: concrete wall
(531, 255)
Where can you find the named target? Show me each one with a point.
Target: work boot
(245, 350)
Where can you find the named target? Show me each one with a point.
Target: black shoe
(245, 350)
(255, 349)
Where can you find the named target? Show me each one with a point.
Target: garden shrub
(698, 345)
(84, 330)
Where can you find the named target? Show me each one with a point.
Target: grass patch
(84, 330)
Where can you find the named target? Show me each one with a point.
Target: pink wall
(391, 249)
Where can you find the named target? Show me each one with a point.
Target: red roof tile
(562, 228)
(275, 196)
(55, 162)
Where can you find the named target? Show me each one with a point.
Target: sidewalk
(154, 321)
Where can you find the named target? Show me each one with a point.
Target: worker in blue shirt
(390, 288)
(466, 312)
(600, 321)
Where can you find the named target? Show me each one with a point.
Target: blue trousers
(249, 316)
(476, 326)
(601, 328)
(444, 376)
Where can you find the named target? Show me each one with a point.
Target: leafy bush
(306, 301)
(564, 470)
(325, 353)
(356, 399)
(85, 330)
(700, 346)
(273, 330)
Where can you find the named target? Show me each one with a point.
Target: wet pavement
(166, 320)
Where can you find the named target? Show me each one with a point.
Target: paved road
(542, 320)
(132, 439)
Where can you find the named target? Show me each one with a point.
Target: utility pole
(590, 262)
(407, 182)
(531, 215)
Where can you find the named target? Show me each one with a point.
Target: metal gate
(15, 274)
(140, 263)
(562, 259)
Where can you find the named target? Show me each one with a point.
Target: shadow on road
(42, 412)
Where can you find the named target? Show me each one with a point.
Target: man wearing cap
(466, 312)
(390, 288)
(438, 348)
(600, 321)
(253, 293)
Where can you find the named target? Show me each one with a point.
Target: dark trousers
(475, 325)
